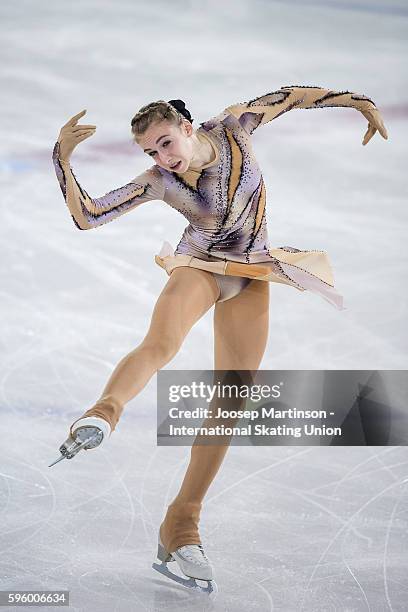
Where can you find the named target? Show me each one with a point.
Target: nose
(164, 160)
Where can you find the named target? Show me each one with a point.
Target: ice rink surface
(287, 528)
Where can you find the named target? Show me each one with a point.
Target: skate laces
(194, 553)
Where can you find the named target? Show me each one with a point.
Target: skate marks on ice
(285, 528)
(328, 545)
(317, 529)
(76, 530)
(56, 530)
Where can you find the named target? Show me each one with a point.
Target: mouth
(176, 166)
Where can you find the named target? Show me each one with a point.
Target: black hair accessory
(181, 107)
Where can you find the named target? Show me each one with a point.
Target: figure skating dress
(224, 201)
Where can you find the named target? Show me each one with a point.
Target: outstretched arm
(88, 212)
(265, 108)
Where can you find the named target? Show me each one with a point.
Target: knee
(162, 349)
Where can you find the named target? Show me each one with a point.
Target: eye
(164, 144)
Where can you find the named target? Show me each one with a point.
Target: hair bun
(179, 104)
(181, 107)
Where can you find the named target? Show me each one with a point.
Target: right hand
(72, 134)
(375, 123)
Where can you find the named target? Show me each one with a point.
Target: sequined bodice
(224, 201)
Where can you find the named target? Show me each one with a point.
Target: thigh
(188, 294)
(241, 328)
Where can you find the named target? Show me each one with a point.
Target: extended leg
(187, 296)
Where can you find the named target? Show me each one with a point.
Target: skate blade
(71, 447)
(57, 460)
(211, 589)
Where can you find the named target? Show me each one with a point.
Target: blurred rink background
(287, 528)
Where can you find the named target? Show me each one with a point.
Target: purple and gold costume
(224, 201)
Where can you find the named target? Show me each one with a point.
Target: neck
(201, 152)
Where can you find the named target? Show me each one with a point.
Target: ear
(188, 128)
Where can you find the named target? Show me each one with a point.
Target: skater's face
(167, 143)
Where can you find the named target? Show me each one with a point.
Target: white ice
(288, 528)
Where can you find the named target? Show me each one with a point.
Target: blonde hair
(152, 113)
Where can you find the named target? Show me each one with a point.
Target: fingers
(383, 131)
(374, 119)
(73, 121)
(72, 134)
(75, 132)
(372, 130)
(82, 127)
(369, 133)
(379, 124)
(83, 134)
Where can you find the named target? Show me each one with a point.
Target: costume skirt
(304, 270)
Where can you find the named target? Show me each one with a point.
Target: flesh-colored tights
(240, 335)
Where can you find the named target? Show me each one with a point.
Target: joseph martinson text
(252, 429)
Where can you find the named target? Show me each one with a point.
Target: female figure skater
(211, 176)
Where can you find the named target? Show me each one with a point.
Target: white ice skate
(194, 564)
(87, 433)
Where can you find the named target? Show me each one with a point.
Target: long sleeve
(88, 212)
(261, 110)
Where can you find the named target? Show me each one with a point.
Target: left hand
(375, 123)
